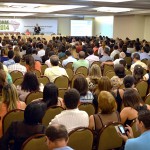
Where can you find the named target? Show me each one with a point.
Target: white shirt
(72, 119)
(41, 52)
(114, 52)
(69, 59)
(138, 62)
(54, 72)
(48, 63)
(92, 58)
(18, 67)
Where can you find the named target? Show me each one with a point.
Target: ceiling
(72, 8)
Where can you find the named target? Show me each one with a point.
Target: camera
(121, 129)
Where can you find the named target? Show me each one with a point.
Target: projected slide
(81, 27)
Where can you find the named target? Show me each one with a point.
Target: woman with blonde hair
(106, 113)
(93, 77)
(10, 101)
(16, 51)
(104, 84)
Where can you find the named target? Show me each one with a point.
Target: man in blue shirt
(143, 125)
(57, 137)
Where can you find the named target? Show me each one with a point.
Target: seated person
(57, 137)
(143, 125)
(81, 84)
(20, 131)
(72, 117)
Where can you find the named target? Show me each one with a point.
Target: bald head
(56, 131)
(81, 54)
(54, 60)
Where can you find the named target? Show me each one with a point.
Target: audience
(29, 84)
(57, 137)
(20, 131)
(10, 61)
(72, 117)
(55, 71)
(81, 61)
(143, 125)
(80, 83)
(10, 101)
(17, 66)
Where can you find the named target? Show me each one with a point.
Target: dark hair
(17, 59)
(81, 84)
(56, 132)
(71, 98)
(34, 113)
(54, 60)
(119, 70)
(68, 53)
(50, 94)
(138, 73)
(123, 62)
(144, 116)
(90, 51)
(115, 46)
(30, 61)
(132, 98)
(51, 53)
(136, 56)
(10, 54)
(40, 45)
(30, 82)
(34, 51)
(128, 81)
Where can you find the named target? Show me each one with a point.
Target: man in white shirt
(72, 117)
(114, 52)
(91, 58)
(137, 61)
(17, 65)
(55, 71)
(70, 58)
(41, 51)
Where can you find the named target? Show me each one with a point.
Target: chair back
(61, 92)
(51, 112)
(82, 70)
(44, 80)
(142, 88)
(16, 74)
(81, 139)
(109, 138)
(70, 73)
(35, 142)
(147, 99)
(136, 133)
(97, 62)
(13, 115)
(32, 96)
(144, 61)
(18, 81)
(128, 61)
(87, 107)
(69, 65)
(107, 68)
(43, 67)
(37, 72)
(128, 72)
(62, 82)
(110, 74)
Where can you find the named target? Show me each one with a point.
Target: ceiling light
(112, 9)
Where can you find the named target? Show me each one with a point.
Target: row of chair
(82, 139)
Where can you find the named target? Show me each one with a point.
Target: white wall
(129, 26)
(147, 28)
